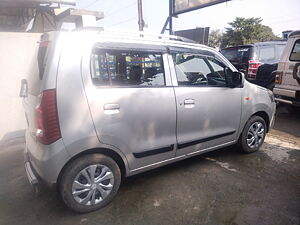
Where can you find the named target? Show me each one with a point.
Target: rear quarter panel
(76, 124)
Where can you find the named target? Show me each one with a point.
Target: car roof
(130, 37)
(237, 46)
(283, 42)
(295, 33)
(139, 36)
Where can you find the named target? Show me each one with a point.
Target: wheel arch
(263, 115)
(105, 151)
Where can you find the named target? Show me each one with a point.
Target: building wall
(18, 59)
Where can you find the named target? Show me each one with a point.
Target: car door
(292, 68)
(132, 101)
(208, 112)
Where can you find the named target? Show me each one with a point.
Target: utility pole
(169, 20)
(171, 5)
(140, 14)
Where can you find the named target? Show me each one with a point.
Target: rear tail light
(278, 77)
(43, 46)
(47, 124)
(44, 43)
(252, 69)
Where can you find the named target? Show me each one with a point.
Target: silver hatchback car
(105, 105)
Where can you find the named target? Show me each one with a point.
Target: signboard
(182, 6)
(199, 35)
(32, 3)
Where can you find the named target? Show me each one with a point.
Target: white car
(287, 89)
(108, 105)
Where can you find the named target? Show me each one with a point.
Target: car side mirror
(234, 79)
(24, 88)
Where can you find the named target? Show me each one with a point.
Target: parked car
(287, 89)
(109, 105)
(257, 61)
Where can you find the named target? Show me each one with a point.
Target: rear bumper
(290, 102)
(284, 92)
(43, 163)
(31, 175)
(287, 101)
(287, 96)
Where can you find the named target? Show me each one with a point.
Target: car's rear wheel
(90, 182)
(253, 135)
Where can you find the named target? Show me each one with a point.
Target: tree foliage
(246, 31)
(215, 38)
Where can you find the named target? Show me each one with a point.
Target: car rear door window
(266, 53)
(295, 55)
(127, 68)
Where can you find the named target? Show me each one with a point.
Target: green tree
(246, 31)
(215, 38)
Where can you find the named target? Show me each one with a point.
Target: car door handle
(189, 103)
(111, 108)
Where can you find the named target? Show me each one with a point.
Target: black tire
(73, 169)
(242, 143)
(271, 85)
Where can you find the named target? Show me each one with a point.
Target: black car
(257, 61)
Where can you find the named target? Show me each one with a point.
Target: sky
(280, 15)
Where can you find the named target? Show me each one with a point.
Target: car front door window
(198, 70)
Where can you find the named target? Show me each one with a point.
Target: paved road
(222, 187)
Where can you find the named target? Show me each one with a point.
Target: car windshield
(269, 52)
(237, 54)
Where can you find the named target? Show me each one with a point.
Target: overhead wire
(112, 12)
(92, 3)
(124, 21)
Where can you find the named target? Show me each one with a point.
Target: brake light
(43, 46)
(44, 43)
(47, 124)
(278, 77)
(252, 69)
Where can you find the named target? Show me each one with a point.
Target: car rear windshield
(238, 54)
(269, 52)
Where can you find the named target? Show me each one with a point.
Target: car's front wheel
(253, 135)
(90, 182)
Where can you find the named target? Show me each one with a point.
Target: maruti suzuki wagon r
(106, 105)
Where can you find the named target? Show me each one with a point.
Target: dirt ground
(218, 188)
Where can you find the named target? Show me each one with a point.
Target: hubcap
(255, 135)
(92, 184)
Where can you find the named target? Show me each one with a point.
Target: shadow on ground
(287, 121)
(223, 187)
